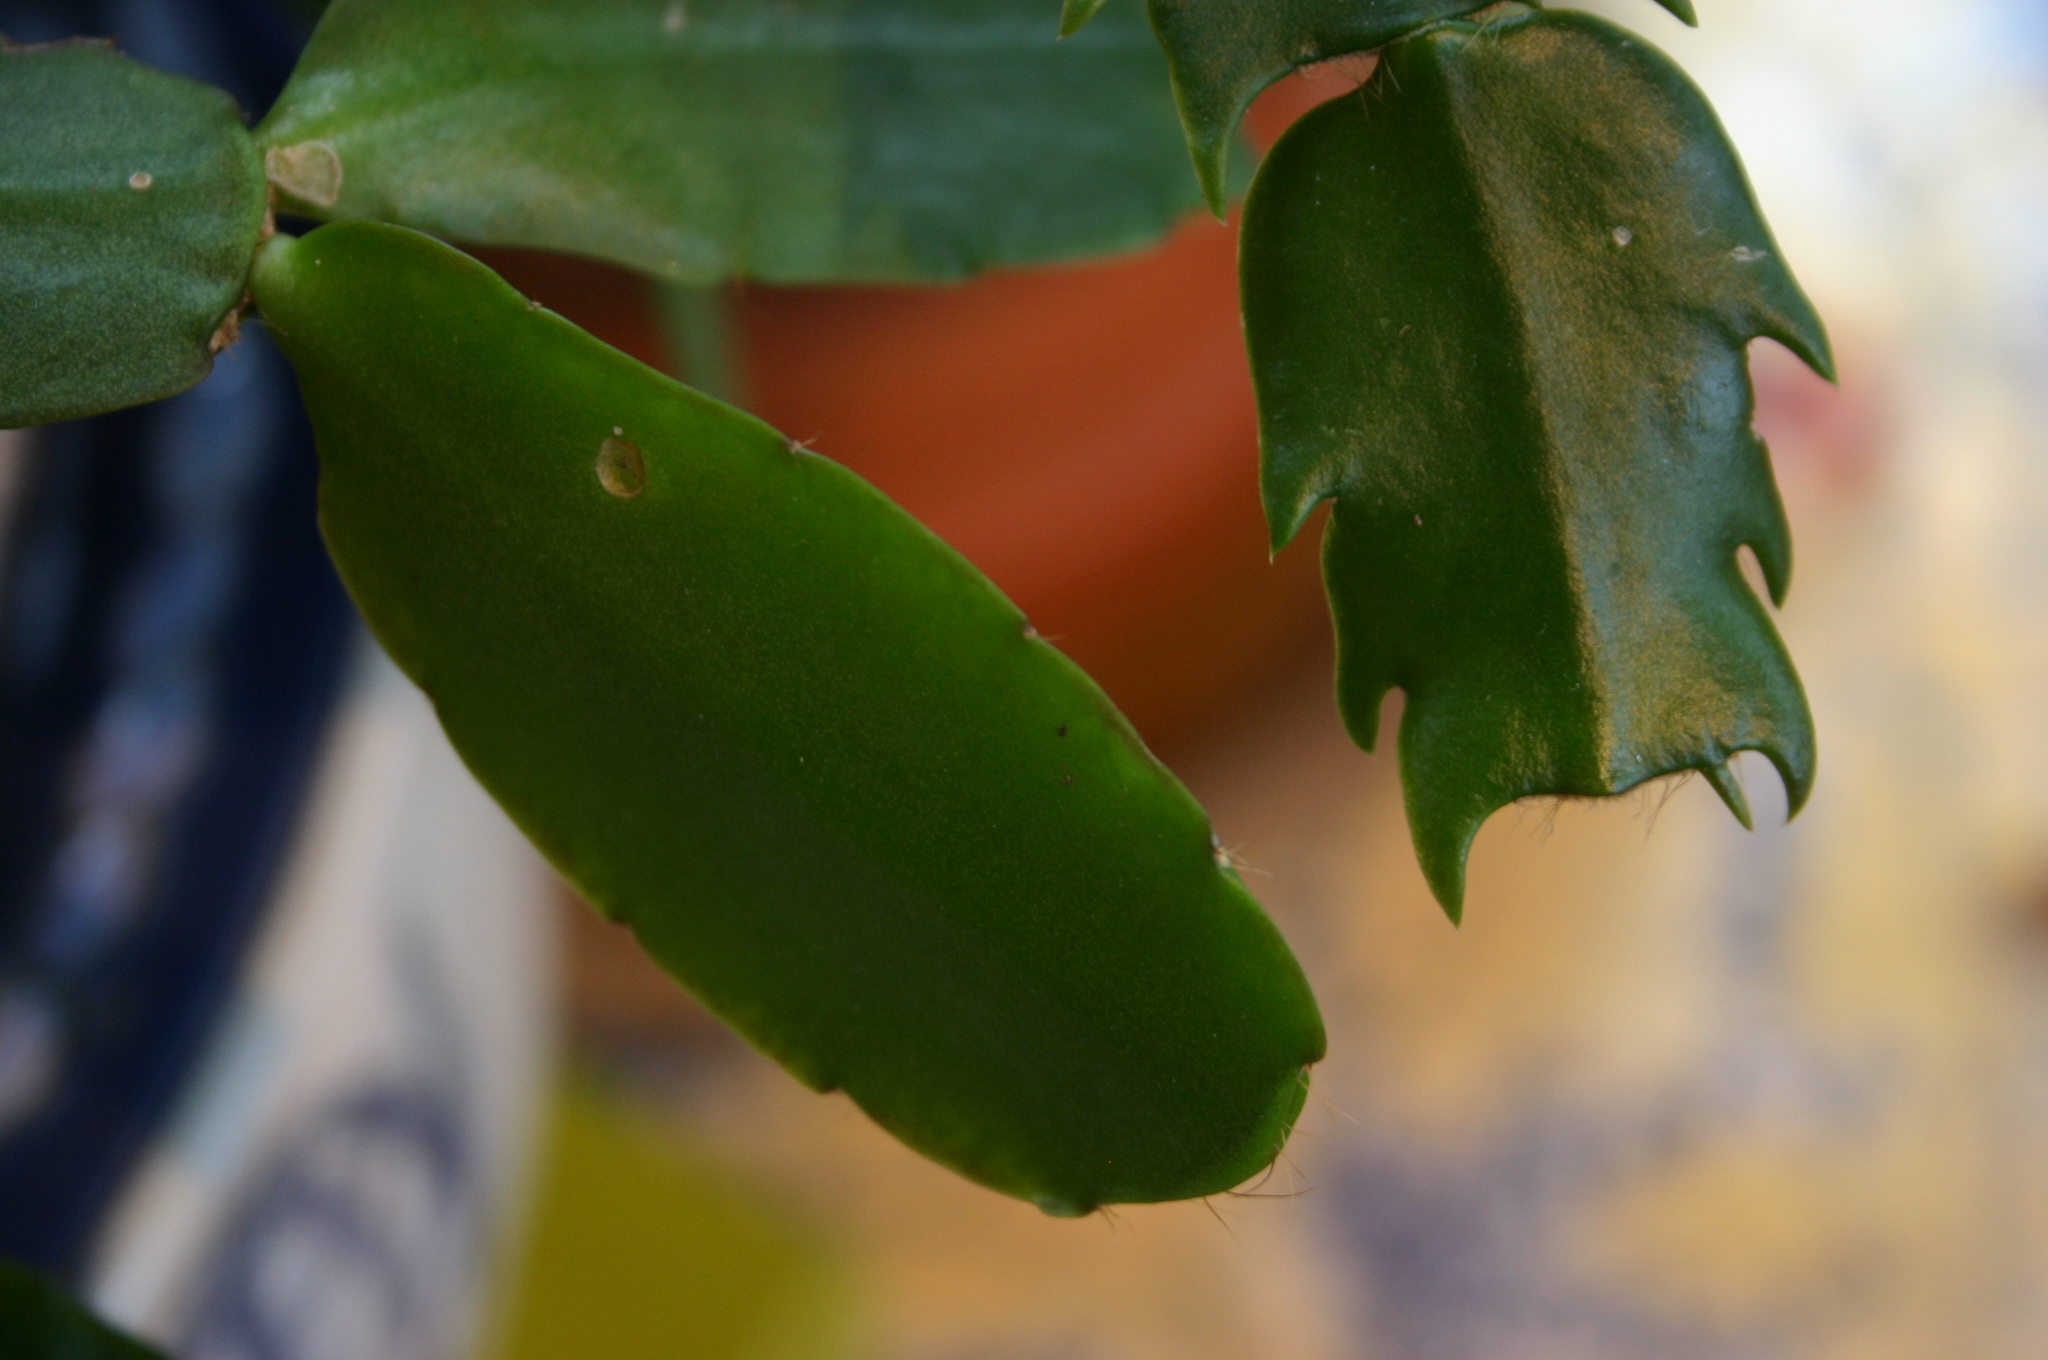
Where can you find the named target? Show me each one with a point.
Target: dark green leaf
(695, 139)
(823, 769)
(130, 204)
(1497, 307)
(38, 1321)
(1225, 51)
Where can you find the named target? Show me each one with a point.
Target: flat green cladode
(827, 774)
(39, 1321)
(1224, 52)
(130, 203)
(1497, 307)
(805, 140)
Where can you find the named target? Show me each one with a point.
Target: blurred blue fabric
(171, 644)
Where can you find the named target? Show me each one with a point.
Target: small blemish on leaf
(620, 468)
(141, 180)
(1623, 237)
(1418, 521)
(676, 20)
(1062, 731)
(309, 172)
(1744, 255)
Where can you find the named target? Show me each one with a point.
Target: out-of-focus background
(1674, 1092)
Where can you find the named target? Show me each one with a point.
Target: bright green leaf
(39, 1321)
(695, 139)
(130, 205)
(1225, 51)
(1497, 307)
(829, 776)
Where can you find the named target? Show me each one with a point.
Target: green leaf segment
(1497, 307)
(830, 777)
(697, 139)
(130, 203)
(39, 1321)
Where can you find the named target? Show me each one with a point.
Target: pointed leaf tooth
(1728, 784)
(1361, 710)
(1802, 331)
(1075, 14)
(1683, 10)
(1443, 839)
(1209, 149)
(1288, 504)
(1774, 557)
(1772, 304)
(1795, 766)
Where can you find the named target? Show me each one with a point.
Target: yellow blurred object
(640, 1246)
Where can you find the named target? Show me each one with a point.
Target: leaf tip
(1729, 785)
(1212, 171)
(1442, 842)
(1288, 500)
(1075, 14)
(1819, 355)
(1773, 549)
(1795, 766)
(1683, 10)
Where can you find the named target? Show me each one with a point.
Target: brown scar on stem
(230, 328)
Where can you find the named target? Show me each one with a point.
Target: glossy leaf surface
(823, 769)
(130, 204)
(807, 140)
(1225, 51)
(39, 1321)
(1497, 308)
